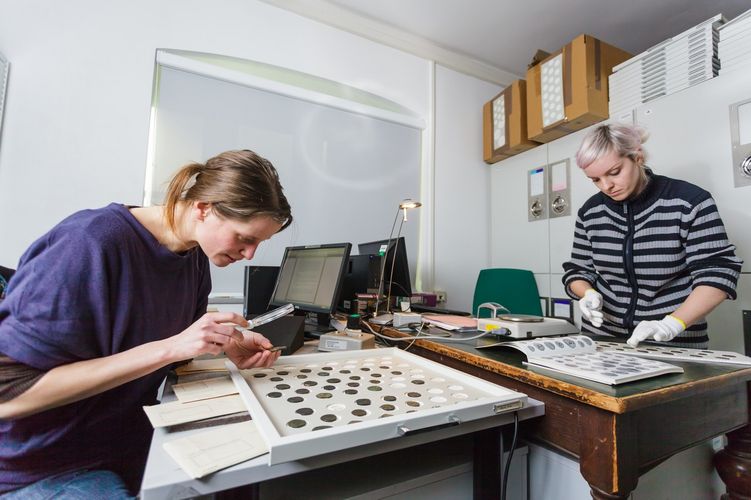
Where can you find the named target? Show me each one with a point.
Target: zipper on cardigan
(628, 260)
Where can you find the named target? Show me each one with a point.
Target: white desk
(164, 479)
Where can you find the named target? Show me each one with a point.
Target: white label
(559, 176)
(340, 345)
(537, 182)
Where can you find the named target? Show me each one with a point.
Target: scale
(525, 326)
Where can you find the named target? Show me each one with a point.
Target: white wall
(77, 111)
(462, 186)
(76, 121)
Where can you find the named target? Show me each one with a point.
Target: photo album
(577, 355)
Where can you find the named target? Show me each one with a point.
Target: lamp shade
(409, 204)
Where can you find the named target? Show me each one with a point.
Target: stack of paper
(199, 400)
(451, 322)
(734, 48)
(202, 366)
(174, 413)
(209, 402)
(675, 64)
(210, 451)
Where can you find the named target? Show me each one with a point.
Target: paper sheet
(450, 322)
(204, 389)
(210, 451)
(202, 365)
(166, 414)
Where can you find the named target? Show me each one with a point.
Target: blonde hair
(625, 140)
(239, 185)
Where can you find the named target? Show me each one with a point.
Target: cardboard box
(575, 92)
(504, 121)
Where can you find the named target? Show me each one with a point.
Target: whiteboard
(4, 69)
(344, 173)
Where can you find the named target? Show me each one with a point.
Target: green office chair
(514, 289)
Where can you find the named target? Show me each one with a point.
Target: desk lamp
(403, 207)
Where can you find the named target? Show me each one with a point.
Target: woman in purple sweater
(102, 305)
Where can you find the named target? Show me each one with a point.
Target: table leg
(733, 464)
(601, 495)
(607, 453)
(486, 465)
(247, 492)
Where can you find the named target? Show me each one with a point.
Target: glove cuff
(676, 323)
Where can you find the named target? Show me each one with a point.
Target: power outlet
(440, 296)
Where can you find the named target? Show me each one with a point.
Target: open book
(577, 355)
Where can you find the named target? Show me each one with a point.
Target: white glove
(662, 331)
(591, 306)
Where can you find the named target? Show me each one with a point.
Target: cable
(510, 456)
(413, 338)
(419, 331)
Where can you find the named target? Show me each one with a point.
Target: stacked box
(670, 66)
(734, 47)
(568, 90)
(505, 123)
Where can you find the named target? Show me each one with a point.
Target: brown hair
(239, 185)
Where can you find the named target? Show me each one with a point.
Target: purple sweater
(97, 284)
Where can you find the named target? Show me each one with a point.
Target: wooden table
(618, 433)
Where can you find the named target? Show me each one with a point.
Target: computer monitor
(396, 255)
(310, 278)
(362, 272)
(259, 285)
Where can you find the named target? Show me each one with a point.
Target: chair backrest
(5, 274)
(515, 289)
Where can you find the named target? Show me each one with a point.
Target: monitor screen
(310, 277)
(396, 255)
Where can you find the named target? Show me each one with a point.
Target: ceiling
(505, 34)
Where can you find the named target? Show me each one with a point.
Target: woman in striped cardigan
(650, 258)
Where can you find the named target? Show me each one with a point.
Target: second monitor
(395, 254)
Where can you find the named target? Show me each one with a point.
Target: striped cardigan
(647, 254)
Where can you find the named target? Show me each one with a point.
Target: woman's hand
(591, 307)
(663, 330)
(212, 333)
(251, 351)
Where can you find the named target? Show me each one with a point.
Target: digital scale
(524, 326)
